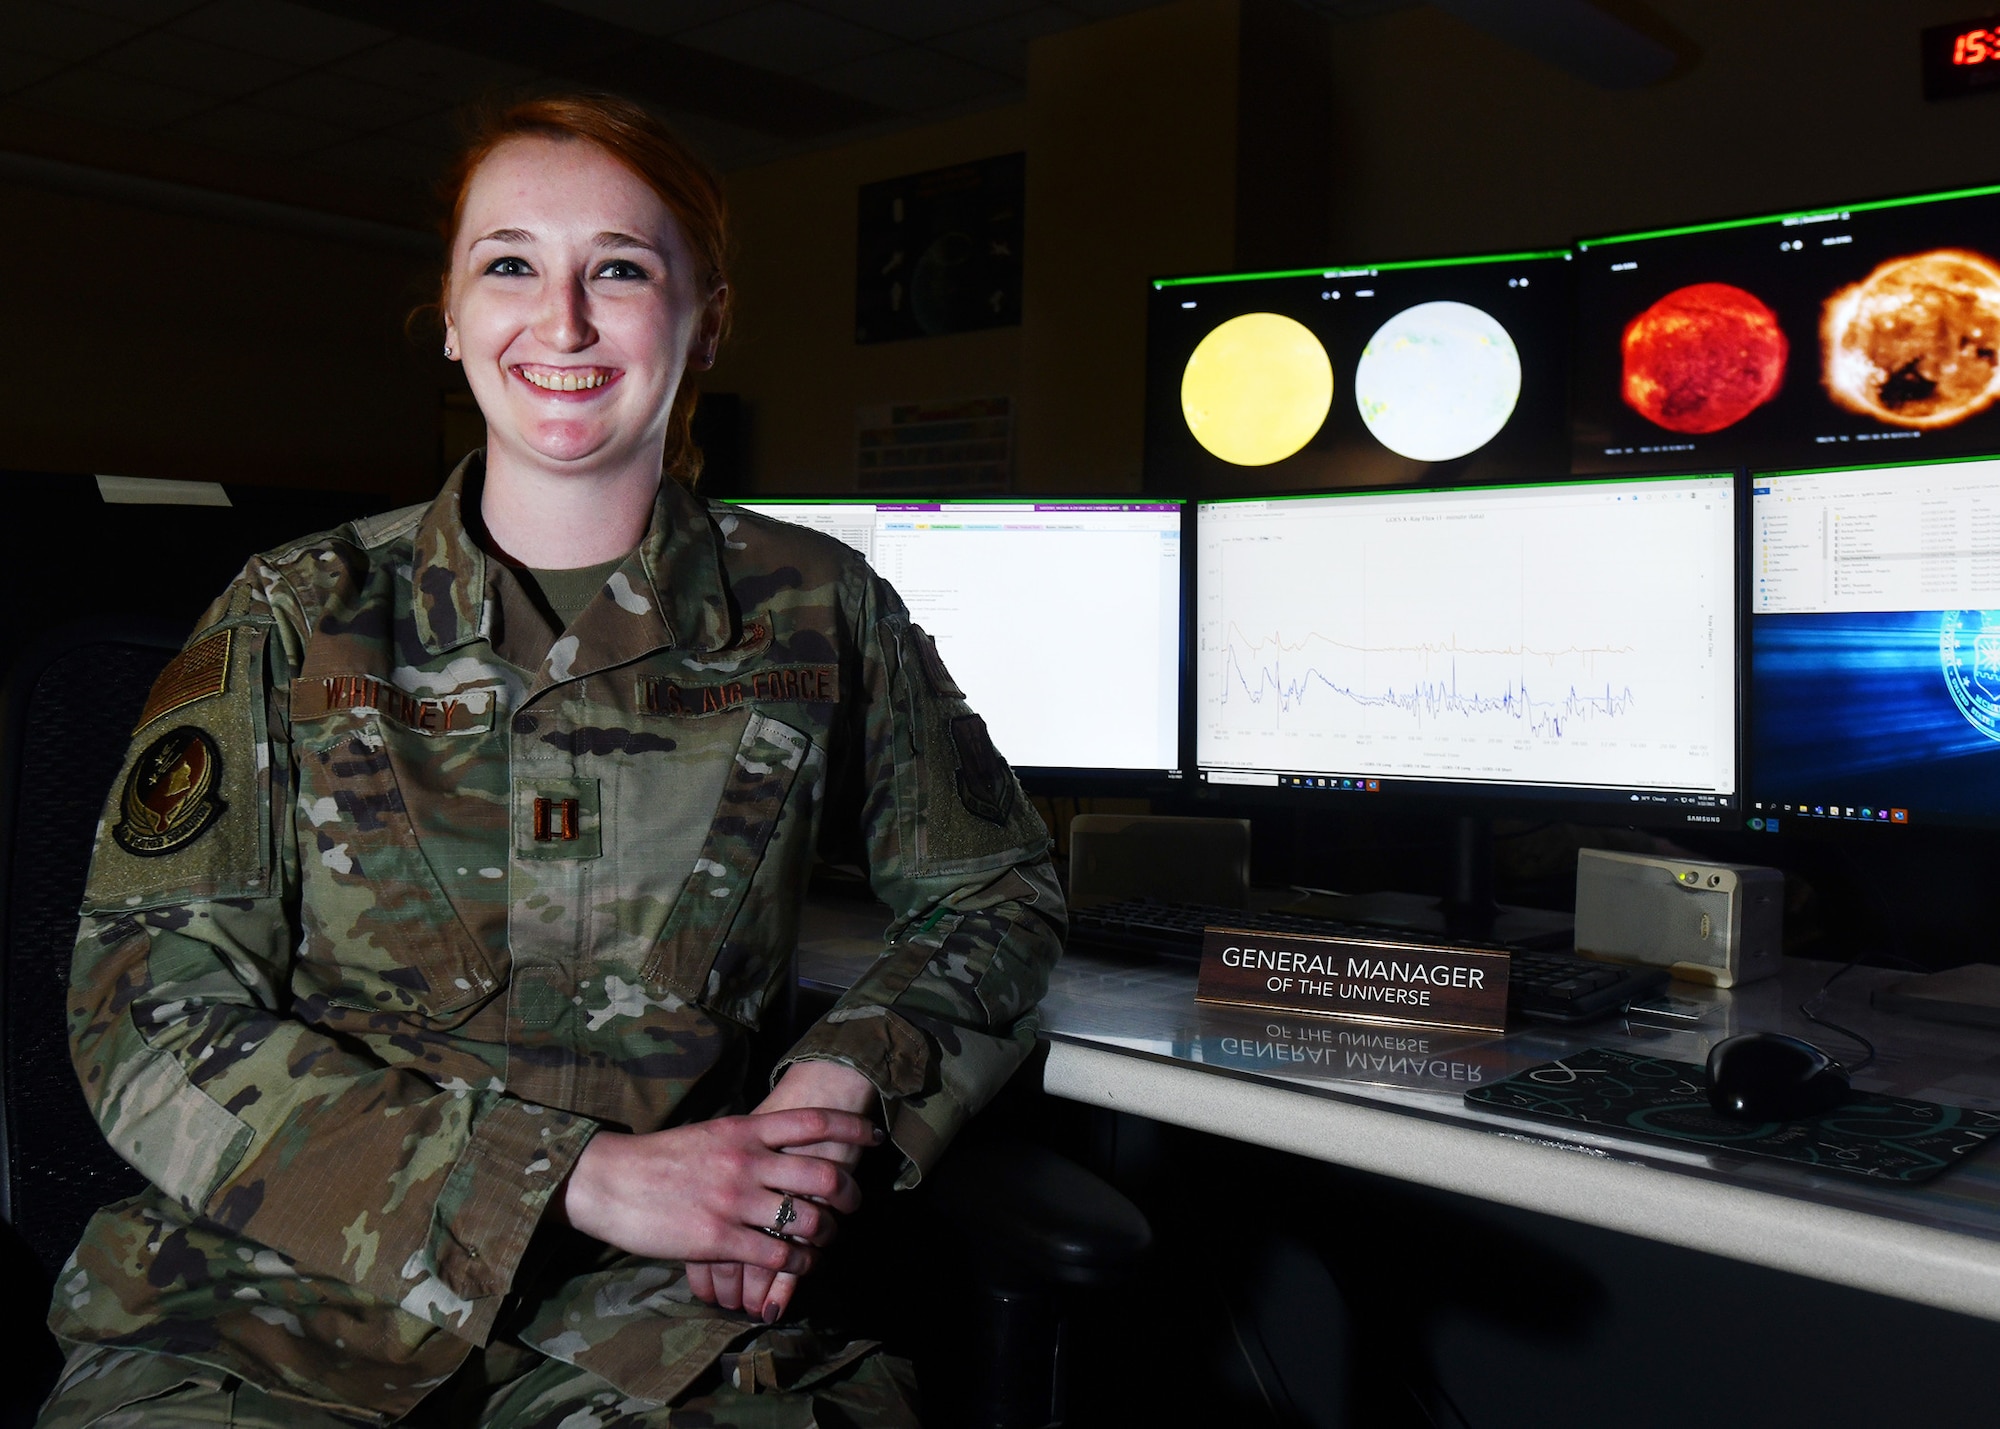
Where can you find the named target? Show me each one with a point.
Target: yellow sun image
(1256, 389)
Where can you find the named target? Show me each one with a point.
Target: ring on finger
(787, 1213)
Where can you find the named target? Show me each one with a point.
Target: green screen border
(1607, 480)
(1359, 270)
(1840, 210)
(1835, 468)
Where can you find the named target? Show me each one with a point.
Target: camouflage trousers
(505, 1387)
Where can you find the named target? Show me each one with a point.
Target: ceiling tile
(785, 38)
(111, 99)
(381, 160)
(279, 30)
(45, 29)
(336, 99)
(18, 69)
(194, 64)
(137, 12)
(1002, 46)
(245, 129)
(1105, 9)
(658, 17)
(724, 145)
(920, 19)
(443, 76)
(438, 133)
(1361, 9)
(913, 79)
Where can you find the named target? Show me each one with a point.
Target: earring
(447, 350)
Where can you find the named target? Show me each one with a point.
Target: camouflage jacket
(382, 925)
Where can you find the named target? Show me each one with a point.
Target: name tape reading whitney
(1406, 984)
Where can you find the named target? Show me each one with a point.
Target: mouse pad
(1881, 1138)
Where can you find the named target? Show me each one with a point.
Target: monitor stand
(1466, 911)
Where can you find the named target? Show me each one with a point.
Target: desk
(1391, 1101)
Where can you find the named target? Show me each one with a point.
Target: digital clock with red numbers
(1962, 58)
(1975, 47)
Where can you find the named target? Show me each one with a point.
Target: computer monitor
(1860, 333)
(1875, 647)
(1567, 644)
(1060, 618)
(1440, 371)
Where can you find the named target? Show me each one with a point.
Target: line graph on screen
(1534, 639)
(1544, 694)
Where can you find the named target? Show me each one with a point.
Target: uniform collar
(670, 590)
(447, 568)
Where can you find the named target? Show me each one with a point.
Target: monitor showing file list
(1875, 645)
(1061, 620)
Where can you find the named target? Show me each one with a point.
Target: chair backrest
(65, 721)
(1113, 856)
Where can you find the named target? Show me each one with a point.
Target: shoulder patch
(169, 798)
(941, 683)
(985, 784)
(198, 672)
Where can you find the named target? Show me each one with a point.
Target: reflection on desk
(1390, 1101)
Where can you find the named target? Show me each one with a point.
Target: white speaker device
(1714, 923)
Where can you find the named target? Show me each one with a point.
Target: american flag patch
(196, 673)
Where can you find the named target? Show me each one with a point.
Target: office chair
(1174, 859)
(66, 716)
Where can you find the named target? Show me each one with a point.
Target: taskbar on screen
(1769, 816)
(1697, 806)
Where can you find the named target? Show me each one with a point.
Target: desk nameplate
(1402, 984)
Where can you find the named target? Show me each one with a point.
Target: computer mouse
(1767, 1076)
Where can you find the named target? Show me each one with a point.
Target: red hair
(687, 186)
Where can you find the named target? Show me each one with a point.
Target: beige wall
(792, 356)
(159, 344)
(1131, 133)
(1450, 142)
(1131, 174)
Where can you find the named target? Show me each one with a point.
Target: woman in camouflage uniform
(459, 855)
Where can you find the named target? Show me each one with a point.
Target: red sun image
(1702, 358)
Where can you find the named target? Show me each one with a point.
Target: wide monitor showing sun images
(1857, 334)
(1449, 370)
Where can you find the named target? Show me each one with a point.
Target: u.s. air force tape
(777, 684)
(169, 799)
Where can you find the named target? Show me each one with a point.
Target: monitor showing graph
(1060, 619)
(1573, 641)
(1875, 646)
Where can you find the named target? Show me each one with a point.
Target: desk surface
(1391, 1101)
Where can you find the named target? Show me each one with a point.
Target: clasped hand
(706, 1192)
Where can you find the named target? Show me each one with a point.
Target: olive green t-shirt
(566, 593)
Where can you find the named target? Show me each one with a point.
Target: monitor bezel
(1547, 803)
(1059, 779)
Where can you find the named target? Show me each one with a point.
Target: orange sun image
(1916, 343)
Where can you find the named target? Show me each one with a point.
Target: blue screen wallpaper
(1879, 708)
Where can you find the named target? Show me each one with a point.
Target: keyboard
(1545, 986)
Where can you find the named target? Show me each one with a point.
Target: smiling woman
(433, 1031)
(586, 280)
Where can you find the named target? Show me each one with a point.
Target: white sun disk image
(1256, 389)
(1438, 381)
